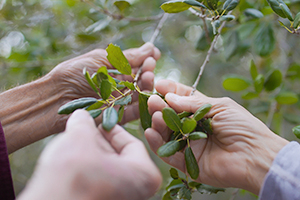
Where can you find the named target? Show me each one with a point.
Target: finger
(160, 126)
(149, 64)
(147, 81)
(156, 103)
(136, 56)
(124, 143)
(155, 141)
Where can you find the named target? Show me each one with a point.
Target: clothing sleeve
(282, 182)
(6, 185)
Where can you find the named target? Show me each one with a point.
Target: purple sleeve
(6, 186)
(283, 179)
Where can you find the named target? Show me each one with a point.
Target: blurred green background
(36, 35)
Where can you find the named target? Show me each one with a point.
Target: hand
(86, 162)
(69, 73)
(238, 154)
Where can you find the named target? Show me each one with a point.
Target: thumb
(136, 56)
(186, 103)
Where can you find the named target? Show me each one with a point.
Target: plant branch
(207, 57)
(159, 27)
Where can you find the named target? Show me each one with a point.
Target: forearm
(28, 113)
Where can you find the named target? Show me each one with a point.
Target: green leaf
(89, 80)
(259, 83)
(174, 173)
(264, 42)
(212, 4)
(188, 125)
(286, 11)
(292, 118)
(102, 74)
(110, 118)
(174, 184)
(117, 59)
(121, 113)
(105, 89)
(197, 135)
(95, 113)
(235, 83)
(250, 95)
(172, 119)
(96, 105)
(167, 196)
(227, 18)
(114, 71)
(168, 149)
(296, 21)
(128, 84)
(76, 104)
(184, 114)
(296, 131)
(207, 126)
(207, 189)
(199, 114)
(177, 6)
(253, 70)
(122, 5)
(287, 98)
(185, 193)
(253, 13)
(191, 163)
(230, 4)
(124, 101)
(145, 117)
(273, 80)
(274, 4)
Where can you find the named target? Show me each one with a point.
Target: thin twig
(159, 27)
(207, 57)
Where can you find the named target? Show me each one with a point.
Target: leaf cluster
(180, 188)
(186, 126)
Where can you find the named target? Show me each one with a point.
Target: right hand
(238, 154)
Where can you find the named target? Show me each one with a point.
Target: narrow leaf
(118, 60)
(128, 84)
(296, 21)
(259, 83)
(253, 70)
(296, 131)
(121, 113)
(171, 119)
(191, 163)
(207, 126)
(124, 101)
(105, 89)
(144, 113)
(177, 6)
(184, 114)
(286, 11)
(110, 118)
(274, 4)
(253, 13)
(197, 135)
(168, 149)
(95, 113)
(199, 114)
(174, 173)
(287, 98)
(273, 80)
(76, 104)
(89, 80)
(96, 105)
(230, 4)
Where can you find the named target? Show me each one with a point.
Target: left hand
(86, 162)
(69, 73)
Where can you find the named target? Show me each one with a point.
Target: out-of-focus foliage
(36, 35)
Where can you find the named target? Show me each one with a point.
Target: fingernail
(146, 47)
(80, 114)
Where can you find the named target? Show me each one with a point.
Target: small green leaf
(250, 95)
(253, 13)
(171, 119)
(128, 84)
(102, 74)
(274, 4)
(259, 83)
(197, 135)
(124, 101)
(168, 149)
(121, 113)
(177, 6)
(286, 11)
(287, 98)
(191, 163)
(227, 18)
(89, 80)
(188, 125)
(296, 131)
(174, 184)
(95, 113)
(264, 42)
(230, 4)
(174, 173)
(76, 104)
(296, 21)
(184, 114)
(207, 126)
(167, 196)
(110, 118)
(122, 5)
(105, 89)
(117, 59)
(212, 4)
(199, 114)
(235, 83)
(253, 70)
(273, 80)
(185, 193)
(145, 117)
(96, 105)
